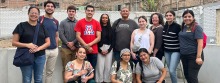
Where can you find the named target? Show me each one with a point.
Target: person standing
(23, 36)
(105, 51)
(68, 36)
(88, 33)
(142, 36)
(171, 44)
(191, 45)
(122, 30)
(156, 19)
(51, 25)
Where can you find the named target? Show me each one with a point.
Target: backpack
(204, 35)
(117, 21)
(41, 19)
(118, 65)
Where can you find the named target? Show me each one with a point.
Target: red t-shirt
(88, 31)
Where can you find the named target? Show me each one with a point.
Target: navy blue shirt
(52, 27)
(188, 40)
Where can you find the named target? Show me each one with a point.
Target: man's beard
(49, 13)
(124, 16)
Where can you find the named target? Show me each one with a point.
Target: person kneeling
(123, 71)
(149, 69)
(79, 70)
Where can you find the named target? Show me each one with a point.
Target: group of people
(96, 51)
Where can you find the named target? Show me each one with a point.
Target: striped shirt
(170, 37)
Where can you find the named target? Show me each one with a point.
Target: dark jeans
(190, 67)
(92, 58)
(116, 55)
(160, 54)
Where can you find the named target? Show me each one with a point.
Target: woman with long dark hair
(171, 44)
(191, 43)
(149, 69)
(105, 51)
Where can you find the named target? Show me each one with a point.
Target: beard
(49, 13)
(125, 16)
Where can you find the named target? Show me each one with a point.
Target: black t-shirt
(26, 33)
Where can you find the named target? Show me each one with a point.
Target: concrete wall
(209, 72)
(10, 18)
(11, 74)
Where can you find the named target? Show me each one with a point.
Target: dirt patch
(5, 43)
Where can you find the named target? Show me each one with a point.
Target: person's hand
(199, 61)
(87, 46)
(85, 79)
(77, 75)
(104, 52)
(90, 49)
(134, 56)
(73, 48)
(150, 52)
(31, 46)
(154, 55)
(70, 44)
(34, 49)
(83, 72)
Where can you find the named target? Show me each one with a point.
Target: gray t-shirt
(123, 33)
(187, 39)
(152, 71)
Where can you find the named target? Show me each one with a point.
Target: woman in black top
(157, 22)
(23, 38)
(171, 44)
(105, 51)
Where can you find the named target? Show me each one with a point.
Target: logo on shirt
(122, 27)
(89, 30)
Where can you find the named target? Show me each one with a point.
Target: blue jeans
(172, 60)
(37, 67)
(116, 55)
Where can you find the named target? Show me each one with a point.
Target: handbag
(22, 55)
(137, 45)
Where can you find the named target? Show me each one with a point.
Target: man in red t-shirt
(88, 33)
